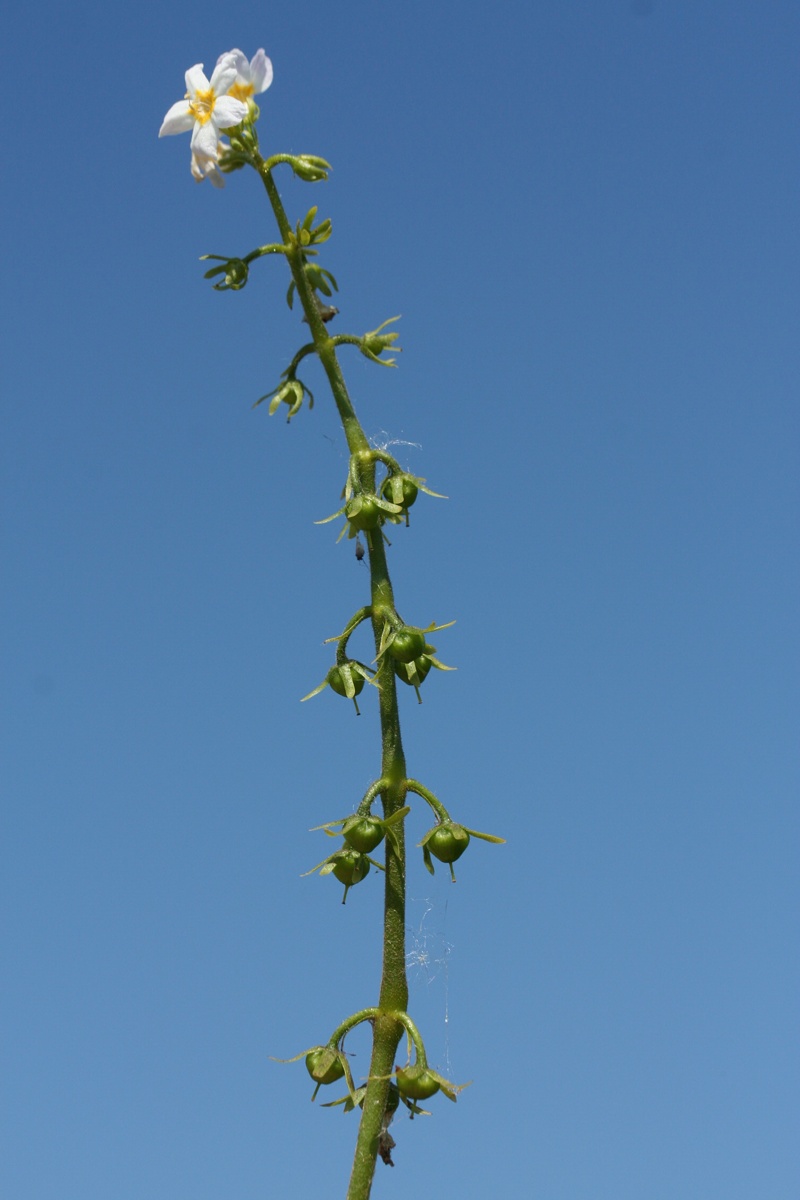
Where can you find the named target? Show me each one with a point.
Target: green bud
(310, 168)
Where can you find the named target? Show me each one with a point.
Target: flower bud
(310, 168)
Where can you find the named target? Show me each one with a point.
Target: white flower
(252, 77)
(208, 168)
(206, 110)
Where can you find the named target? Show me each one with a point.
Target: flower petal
(260, 72)
(228, 112)
(204, 141)
(238, 57)
(224, 75)
(196, 80)
(177, 120)
(206, 168)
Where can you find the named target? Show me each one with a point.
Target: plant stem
(387, 1028)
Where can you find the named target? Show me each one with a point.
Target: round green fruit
(337, 684)
(363, 833)
(448, 842)
(364, 513)
(416, 1083)
(405, 671)
(400, 489)
(324, 1065)
(407, 644)
(350, 867)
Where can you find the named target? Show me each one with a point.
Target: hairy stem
(387, 1027)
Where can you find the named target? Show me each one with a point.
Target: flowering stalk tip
(216, 104)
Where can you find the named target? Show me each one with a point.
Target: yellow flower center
(242, 91)
(202, 106)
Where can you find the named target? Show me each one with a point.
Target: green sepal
(329, 824)
(325, 521)
(349, 1102)
(315, 235)
(486, 837)
(397, 816)
(390, 822)
(320, 279)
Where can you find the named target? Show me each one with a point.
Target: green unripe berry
(416, 1083)
(350, 867)
(448, 842)
(407, 644)
(337, 684)
(363, 833)
(364, 513)
(400, 489)
(324, 1065)
(405, 671)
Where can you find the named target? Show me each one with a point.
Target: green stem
(366, 1014)
(439, 809)
(388, 1027)
(370, 794)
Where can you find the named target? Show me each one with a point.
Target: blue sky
(587, 215)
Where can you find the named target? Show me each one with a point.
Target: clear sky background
(587, 214)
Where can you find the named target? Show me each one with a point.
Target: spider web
(428, 955)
